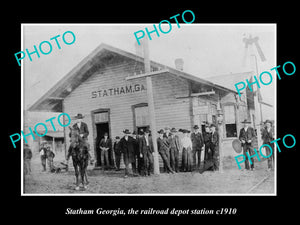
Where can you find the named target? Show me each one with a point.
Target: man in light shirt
(187, 147)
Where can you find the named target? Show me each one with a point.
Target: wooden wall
(169, 110)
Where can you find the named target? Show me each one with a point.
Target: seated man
(83, 132)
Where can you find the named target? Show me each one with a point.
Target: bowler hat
(173, 130)
(161, 131)
(185, 131)
(79, 116)
(126, 131)
(245, 121)
(212, 125)
(117, 137)
(268, 121)
(196, 127)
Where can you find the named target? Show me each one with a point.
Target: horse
(80, 157)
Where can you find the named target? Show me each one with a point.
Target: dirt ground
(231, 181)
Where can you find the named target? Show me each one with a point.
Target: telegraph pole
(151, 105)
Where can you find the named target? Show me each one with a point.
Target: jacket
(246, 136)
(197, 140)
(162, 145)
(267, 136)
(143, 145)
(83, 129)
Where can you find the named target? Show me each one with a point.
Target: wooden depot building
(105, 87)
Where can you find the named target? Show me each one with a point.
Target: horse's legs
(76, 175)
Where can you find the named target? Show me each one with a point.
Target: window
(230, 121)
(141, 116)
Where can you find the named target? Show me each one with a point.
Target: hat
(196, 127)
(161, 131)
(236, 144)
(126, 131)
(147, 130)
(268, 121)
(185, 131)
(117, 137)
(246, 121)
(173, 130)
(79, 116)
(212, 125)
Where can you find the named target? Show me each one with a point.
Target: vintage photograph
(107, 114)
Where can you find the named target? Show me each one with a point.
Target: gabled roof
(97, 59)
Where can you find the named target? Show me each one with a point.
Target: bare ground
(231, 181)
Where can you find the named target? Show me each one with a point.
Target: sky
(207, 50)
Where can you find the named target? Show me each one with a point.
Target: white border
(132, 24)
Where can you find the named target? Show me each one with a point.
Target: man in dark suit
(136, 164)
(214, 146)
(163, 148)
(127, 148)
(175, 147)
(118, 153)
(83, 133)
(197, 140)
(105, 146)
(207, 144)
(267, 136)
(146, 151)
(247, 136)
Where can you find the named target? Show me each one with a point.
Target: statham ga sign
(118, 90)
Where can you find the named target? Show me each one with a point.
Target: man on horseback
(83, 133)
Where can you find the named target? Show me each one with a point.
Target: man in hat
(83, 133)
(136, 164)
(197, 140)
(118, 152)
(166, 135)
(187, 147)
(214, 146)
(43, 151)
(175, 148)
(267, 136)
(164, 147)
(247, 136)
(207, 144)
(50, 157)
(27, 155)
(105, 146)
(146, 152)
(127, 147)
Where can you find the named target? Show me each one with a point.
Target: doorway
(101, 124)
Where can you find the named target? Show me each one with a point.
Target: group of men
(248, 135)
(137, 148)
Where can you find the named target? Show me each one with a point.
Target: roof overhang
(103, 55)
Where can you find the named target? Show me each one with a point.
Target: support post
(151, 106)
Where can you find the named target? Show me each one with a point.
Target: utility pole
(151, 105)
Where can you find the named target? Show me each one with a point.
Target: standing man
(214, 145)
(27, 155)
(163, 148)
(83, 133)
(50, 156)
(247, 136)
(187, 147)
(135, 164)
(146, 152)
(166, 136)
(207, 143)
(197, 140)
(43, 151)
(127, 146)
(175, 148)
(118, 153)
(105, 146)
(267, 136)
